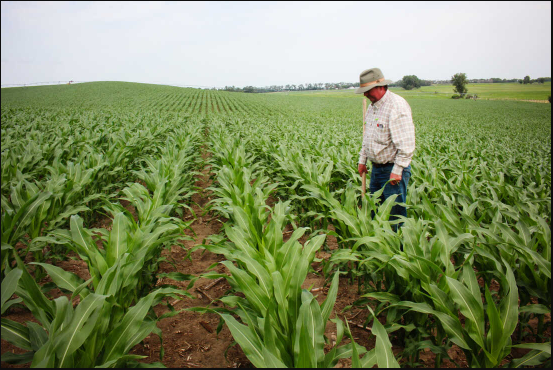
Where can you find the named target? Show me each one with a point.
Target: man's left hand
(394, 179)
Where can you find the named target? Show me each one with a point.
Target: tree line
(293, 87)
(540, 80)
(408, 82)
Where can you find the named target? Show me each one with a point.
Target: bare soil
(190, 339)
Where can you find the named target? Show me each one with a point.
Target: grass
(511, 91)
(499, 91)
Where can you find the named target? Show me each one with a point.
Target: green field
(491, 91)
(508, 91)
(106, 173)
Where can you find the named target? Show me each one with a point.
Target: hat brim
(361, 90)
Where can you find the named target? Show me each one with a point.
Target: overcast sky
(217, 44)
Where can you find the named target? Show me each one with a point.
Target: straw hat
(370, 78)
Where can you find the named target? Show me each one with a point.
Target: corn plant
(483, 346)
(26, 212)
(173, 171)
(393, 274)
(381, 354)
(285, 324)
(526, 246)
(97, 332)
(301, 172)
(354, 226)
(143, 241)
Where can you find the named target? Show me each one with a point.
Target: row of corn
(98, 321)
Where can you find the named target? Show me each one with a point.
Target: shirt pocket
(382, 134)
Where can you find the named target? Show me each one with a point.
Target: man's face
(375, 93)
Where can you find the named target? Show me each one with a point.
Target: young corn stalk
(97, 332)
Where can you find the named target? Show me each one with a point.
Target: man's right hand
(361, 168)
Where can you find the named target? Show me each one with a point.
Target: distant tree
(541, 80)
(459, 81)
(249, 89)
(526, 80)
(410, 82)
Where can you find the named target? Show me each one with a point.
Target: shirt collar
(379, 103)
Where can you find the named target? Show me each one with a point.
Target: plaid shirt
(389, 133)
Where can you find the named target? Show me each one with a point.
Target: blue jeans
(379, 176)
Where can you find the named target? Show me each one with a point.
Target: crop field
(488, 91)
(148, 225)
(497, 91)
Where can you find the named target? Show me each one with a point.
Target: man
(389, 140)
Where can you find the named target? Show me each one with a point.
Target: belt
(379, 165)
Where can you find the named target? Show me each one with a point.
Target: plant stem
(540, 328)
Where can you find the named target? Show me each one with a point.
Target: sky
(218, 44)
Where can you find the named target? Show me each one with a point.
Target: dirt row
(190, 338)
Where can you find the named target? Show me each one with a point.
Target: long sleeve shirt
(389, 133)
